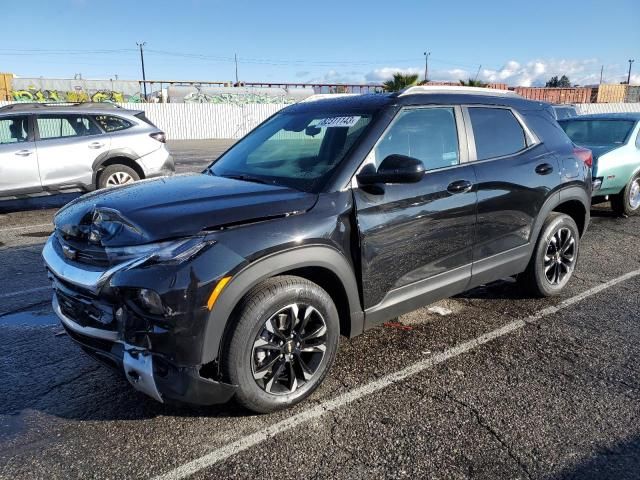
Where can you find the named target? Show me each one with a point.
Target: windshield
(297, 150)
(597, 132)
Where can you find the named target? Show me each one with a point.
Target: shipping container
(556, 95)
(611, 93)
(632, 94)
(5, 86)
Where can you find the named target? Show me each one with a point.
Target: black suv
(329, 218)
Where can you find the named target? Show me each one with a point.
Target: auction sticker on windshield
(338, 122)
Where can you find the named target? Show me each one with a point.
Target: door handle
(96, 145)
(544, 169)
(460, 186)
(24, 153)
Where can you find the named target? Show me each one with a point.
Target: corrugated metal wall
(195, 121)
(191, 121)
(585, 108)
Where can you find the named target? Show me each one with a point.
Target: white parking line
(325, 407)
(24, 292)
(27, 227)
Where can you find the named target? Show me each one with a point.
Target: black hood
(181, 205)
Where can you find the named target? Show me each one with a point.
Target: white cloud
(514, 73)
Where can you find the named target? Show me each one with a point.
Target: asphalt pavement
(489, 384)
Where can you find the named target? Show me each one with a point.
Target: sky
(513, 42)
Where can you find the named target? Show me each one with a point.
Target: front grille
(82, 307)
(84, 252)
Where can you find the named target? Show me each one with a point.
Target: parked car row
(49, 148)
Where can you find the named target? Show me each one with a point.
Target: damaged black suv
(329, 218)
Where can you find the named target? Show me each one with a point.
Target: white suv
(47, 148)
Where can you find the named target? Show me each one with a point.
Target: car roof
(633, 116)
(421, 95)
(82, 107)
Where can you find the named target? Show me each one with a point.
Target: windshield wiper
(248, 178)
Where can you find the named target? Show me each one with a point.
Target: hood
(181, 205)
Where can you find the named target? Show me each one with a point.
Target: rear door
(18, 157)
(68, 145)
(515, 174)
(416, 239)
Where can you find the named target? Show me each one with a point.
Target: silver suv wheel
(119, 178)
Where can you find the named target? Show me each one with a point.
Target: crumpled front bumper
(147, 371)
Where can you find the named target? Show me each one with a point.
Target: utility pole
(236, 57)
(477, 73)
(601, 70)
(144, 78)
(426, 66)
(629, 74)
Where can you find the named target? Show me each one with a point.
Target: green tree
(472, 83)
(399, 82)
(555, 82)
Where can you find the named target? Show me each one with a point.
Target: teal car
(614, 139)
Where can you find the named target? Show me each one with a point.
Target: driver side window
(428, 134)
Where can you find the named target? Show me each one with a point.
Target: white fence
(195, 121)
(585, 108)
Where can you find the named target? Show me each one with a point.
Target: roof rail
(25, 106)
(322, 96)
(422, 89)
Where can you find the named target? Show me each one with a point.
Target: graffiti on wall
(235, 95)
(37, 95)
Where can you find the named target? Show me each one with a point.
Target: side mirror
(393, 169)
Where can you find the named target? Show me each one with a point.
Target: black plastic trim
(307, 256)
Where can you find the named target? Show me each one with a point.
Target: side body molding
(321, 256)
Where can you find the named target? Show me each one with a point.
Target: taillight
(585, 155)
(159, 136)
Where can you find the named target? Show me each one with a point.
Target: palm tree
(472, 83)
(400, 82)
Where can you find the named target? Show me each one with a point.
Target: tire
(117, 174)
(550, 270)
(627, 202)
(263, 356)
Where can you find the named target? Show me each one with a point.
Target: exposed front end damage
(159, 352)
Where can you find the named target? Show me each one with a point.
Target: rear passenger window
(63, 126)
(13, 130)
(109, 123)
(497, 132)
(428, 134)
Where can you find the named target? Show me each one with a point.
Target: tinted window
(565, 112)
(62, 126)
(109, 123)
(13, 130)
(428, 134)
(298, 150)
(497, 132)
(597, 132)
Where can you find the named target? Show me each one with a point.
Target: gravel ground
(557, 397)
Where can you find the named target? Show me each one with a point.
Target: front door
(18, 157)
(68, 145)
(416, 239)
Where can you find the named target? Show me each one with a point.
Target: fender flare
(573, 193)
(108, 155)
(308, 256)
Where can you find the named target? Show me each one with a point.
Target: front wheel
(554, 258)
(627, 202)
(283, 343)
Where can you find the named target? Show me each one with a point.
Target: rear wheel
(115, 175)
(554, 258)
(283, 344)
(627, 202)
